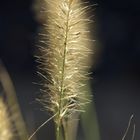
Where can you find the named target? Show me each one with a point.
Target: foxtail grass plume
(65, 58)
(12, 104)
(5, 127)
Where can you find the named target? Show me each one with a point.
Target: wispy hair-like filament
(65, 57)
(5, 126)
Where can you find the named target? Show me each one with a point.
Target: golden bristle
(65, 57)
(5, 128)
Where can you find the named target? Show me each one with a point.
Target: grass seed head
(65, 57)
(5, 127)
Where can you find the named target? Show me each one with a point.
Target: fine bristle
(65, 57)
(5, 127)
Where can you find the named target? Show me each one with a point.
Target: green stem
(57, 132)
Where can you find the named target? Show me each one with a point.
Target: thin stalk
(58, 136)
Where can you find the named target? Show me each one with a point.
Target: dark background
(116, 72)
